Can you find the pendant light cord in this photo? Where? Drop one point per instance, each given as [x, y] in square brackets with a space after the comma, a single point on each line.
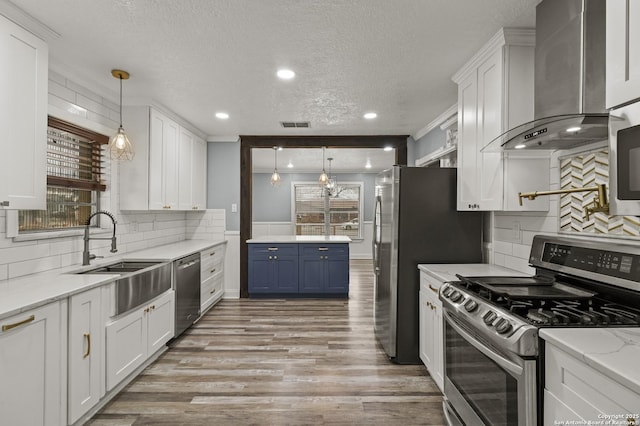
[120, 100]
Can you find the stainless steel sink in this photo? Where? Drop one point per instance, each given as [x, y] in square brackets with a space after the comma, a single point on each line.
[123, 267]
[140, 281]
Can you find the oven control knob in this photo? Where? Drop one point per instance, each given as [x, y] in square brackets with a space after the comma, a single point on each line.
[489, 317]
[471, 305]
[503, 326]
[456, 296]
[447, 292]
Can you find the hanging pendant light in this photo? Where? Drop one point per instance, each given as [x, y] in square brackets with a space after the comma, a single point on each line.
[324, 178]
[119, 145]
[275, 177]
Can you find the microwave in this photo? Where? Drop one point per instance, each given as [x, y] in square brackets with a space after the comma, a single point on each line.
[624, 160]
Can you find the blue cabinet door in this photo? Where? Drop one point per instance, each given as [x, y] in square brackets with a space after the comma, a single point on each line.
[273, 268]
[260, 274]
[312, 274]
[286, 274]
[324, 268]
[337, 278]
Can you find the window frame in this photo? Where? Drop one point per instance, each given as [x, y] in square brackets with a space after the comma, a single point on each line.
[90, 131]
[360, 184]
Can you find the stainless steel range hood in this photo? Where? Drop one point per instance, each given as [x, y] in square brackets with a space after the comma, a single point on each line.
[569, 89]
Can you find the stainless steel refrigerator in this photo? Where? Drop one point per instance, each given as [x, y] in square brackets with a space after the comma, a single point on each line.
[415, 222]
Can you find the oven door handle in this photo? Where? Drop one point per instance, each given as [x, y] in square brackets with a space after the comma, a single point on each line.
[503, 362]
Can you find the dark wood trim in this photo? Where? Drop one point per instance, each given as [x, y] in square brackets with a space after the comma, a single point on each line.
[247, 142]
[75, 183]
[72, 128]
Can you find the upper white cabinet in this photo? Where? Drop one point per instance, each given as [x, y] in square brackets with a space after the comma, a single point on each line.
[163, 162]
[193, 175]
[32, 356]
[161, 175]
[623, 52]
[23, 118]
[495, 93]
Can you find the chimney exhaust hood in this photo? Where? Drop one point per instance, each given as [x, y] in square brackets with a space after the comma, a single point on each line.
[569, 89]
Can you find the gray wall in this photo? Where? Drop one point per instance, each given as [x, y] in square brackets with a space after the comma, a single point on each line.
[223, 180]
[274, 204]
[436, 138]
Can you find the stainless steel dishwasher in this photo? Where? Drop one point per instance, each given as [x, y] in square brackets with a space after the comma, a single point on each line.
[187, 286]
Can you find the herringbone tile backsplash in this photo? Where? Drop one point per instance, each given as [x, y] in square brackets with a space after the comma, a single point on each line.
[588, 170]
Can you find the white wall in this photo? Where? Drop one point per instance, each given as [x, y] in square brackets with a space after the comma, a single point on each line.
[135, 230]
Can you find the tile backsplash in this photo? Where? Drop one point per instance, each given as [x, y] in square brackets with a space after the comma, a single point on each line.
[134, 230]
[588, 170]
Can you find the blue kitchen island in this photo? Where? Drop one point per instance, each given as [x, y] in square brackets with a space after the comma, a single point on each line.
[299, 266]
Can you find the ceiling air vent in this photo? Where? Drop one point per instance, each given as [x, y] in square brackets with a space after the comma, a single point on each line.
[295, 124]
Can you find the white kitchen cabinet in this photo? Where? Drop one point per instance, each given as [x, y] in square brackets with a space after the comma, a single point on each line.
[23, 118]
[199, 174]
[211, 276]
[193, 171]
[164, 173]
[32, 357]
[431, 337]
[576, 391]
[623, 52]
[133, 337]
[163, 162]
[495, 93]
[86, 349]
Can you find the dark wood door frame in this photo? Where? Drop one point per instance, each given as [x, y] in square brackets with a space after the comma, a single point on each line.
[399, 142]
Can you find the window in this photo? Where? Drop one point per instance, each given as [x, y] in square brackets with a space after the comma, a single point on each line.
[74, 179]
[312, 206]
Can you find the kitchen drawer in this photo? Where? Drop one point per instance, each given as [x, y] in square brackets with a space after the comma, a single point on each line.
[273, 249]
[211, 291]
[209, 270]
[583, 389]
[211, 256]
[324, 249]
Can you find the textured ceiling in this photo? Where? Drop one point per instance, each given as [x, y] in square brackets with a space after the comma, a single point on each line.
[197, 57]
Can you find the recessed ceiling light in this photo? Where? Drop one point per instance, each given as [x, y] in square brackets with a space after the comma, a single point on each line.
[222, 115]
[368, 165]
[285, 74]
[370, 115]
[290, 165]
[574, 129]
[520, 146]
[388, 148]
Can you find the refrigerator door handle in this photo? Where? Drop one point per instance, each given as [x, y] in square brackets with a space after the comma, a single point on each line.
[375, 240]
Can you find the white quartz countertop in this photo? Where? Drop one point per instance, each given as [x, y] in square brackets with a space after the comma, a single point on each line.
[21, 294]
[612, 351]
[447, 271]
[301, 239]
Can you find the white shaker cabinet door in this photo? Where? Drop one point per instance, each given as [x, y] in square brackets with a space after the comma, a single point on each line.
[31, 361]
[23, 118]
[126, 346]
[623, 52]
[199, 175]
[163, 162]
[86, 331]
[161, 322]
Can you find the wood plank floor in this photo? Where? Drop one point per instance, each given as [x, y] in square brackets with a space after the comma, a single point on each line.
[280, 362]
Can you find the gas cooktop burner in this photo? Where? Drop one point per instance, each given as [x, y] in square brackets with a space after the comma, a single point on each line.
[544, 302]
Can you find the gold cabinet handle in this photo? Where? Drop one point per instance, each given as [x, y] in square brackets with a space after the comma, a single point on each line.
[146, 309]
[212, 253]
[18, 324]
[153, 307]
[213, 291]
[212, 271]
[88, 352]
[433, 289]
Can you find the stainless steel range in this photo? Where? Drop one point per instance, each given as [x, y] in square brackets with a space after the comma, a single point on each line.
[492, 350]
